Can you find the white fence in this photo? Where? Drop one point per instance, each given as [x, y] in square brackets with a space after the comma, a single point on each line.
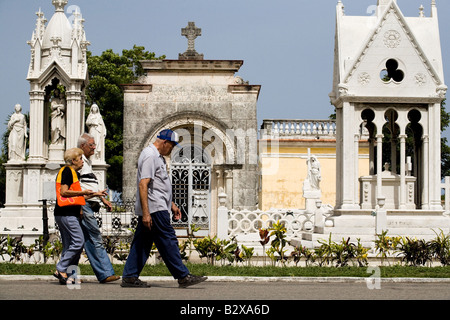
[295, 221]
[279, 128]
[245, 222]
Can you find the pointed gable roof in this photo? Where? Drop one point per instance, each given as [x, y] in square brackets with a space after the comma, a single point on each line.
[414, 42]
[395, 10]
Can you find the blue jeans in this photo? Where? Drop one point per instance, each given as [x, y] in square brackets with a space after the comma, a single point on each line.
[97, 255]
[165, 239]
[72, 240]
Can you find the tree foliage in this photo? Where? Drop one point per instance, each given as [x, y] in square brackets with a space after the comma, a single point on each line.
[445, 149]
[107, 72]
[3, 159]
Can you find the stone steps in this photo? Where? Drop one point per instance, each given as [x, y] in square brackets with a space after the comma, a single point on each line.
[361, 225]
[311, 240]
[420, 225]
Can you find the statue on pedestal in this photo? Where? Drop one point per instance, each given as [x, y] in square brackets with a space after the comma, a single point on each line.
[311, 185]
[17, 126]
[96, 127]
[58, 126]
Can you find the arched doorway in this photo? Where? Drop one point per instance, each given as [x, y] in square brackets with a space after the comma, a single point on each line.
[202, 164]
[190, 172]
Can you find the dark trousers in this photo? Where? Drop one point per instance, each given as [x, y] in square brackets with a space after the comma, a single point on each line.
[165, 239]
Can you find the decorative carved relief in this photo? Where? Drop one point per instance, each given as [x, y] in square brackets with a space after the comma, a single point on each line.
[410, 192]
[421, 79]
[343, 89]
[392, 39]
[364, 78]
[366, 192]
[14, 176]
[441, 91]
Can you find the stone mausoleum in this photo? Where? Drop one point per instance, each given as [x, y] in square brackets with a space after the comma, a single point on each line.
[214, 113]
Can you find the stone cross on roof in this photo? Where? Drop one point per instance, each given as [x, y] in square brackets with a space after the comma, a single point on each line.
[191, 32]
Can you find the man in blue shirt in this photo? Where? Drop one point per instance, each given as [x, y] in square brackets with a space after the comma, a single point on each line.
[153, 204]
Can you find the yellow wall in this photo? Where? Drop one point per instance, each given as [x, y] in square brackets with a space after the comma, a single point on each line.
[284, 169]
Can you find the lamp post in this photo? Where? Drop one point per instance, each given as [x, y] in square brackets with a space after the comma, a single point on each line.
[45, 233]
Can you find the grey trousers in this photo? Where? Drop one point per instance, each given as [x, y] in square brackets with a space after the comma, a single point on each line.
[72, 240]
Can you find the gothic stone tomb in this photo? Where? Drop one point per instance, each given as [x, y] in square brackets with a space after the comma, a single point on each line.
[58, 77]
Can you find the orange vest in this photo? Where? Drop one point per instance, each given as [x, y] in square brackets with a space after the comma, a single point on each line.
[71, 201]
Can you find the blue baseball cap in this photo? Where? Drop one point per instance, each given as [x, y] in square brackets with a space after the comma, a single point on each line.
[169, 135]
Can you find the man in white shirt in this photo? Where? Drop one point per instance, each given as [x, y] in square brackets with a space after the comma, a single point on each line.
[97, 255]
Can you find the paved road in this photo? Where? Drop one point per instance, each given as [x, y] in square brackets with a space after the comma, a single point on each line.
[227, 294]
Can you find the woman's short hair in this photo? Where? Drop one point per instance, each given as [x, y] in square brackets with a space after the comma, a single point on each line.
[72, 154]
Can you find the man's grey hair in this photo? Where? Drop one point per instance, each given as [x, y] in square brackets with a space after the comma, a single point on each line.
[84, 138]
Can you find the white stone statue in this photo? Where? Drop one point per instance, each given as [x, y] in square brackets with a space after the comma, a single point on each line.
[311, 185]
[96, 127]
[58, 125]
[314, 174]
[17, 126]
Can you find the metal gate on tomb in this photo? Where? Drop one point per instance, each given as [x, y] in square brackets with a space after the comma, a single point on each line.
[190, 174]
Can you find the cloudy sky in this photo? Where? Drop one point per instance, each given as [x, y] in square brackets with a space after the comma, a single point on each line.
[287, 45]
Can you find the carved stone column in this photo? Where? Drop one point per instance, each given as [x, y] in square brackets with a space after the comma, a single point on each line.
[38, 141]
[402, 171]
[229, 187]
[379, 191]
[74, 116]
[425, 190]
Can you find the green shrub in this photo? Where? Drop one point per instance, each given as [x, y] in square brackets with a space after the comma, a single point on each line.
[413, 252]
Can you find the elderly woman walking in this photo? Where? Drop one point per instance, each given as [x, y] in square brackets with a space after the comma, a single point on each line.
[70, 198]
